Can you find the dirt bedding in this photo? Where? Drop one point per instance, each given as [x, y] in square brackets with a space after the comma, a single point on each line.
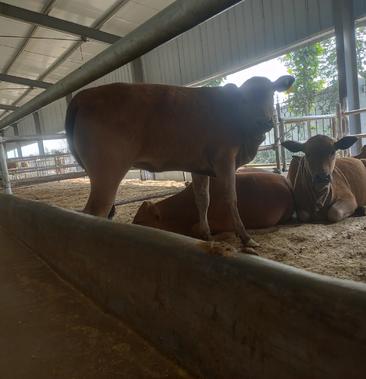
[335, 249]
[73, 194]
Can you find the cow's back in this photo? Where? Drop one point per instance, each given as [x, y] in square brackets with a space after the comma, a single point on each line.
[350, 175]
[151, 124]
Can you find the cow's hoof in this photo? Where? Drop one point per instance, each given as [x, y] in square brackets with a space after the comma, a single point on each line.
[201, 232]
[360, 212]
[252, 243]
[206, 237]
[249, 250]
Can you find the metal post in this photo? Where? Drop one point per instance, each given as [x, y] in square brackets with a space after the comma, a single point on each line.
[137, 71]
[4, 168]
[281, 135]
[347, 62]
[17, 144]
[277, 142]
[68, 98]
[333, 123]
[37, 123]
[339, 121]
[339, 124]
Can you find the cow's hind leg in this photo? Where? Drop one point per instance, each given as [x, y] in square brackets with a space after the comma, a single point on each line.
[103, 189]
[201, 186]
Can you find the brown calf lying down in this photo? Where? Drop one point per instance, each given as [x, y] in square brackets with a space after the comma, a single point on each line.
[326, 188]
[264, 199]
[205, 131]
[362, 154]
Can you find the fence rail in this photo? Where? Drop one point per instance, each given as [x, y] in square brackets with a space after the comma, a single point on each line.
[50, 167]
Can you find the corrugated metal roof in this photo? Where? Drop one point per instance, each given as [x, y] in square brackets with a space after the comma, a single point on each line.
[29, 51]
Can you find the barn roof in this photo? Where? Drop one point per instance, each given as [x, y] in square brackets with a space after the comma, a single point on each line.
[33, 55]
[36, 51]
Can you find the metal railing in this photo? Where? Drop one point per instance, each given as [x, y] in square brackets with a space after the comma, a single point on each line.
[36, 169]
[50, 167]
[338, 127]
[305, 128]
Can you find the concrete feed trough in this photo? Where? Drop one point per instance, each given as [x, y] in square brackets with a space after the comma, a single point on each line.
[219, 313]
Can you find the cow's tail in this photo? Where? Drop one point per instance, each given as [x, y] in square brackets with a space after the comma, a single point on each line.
[71, 112]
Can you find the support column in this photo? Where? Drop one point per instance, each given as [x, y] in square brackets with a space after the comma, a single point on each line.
[347, 62]
[137, 71]
[68, 98]
[17, 144]
[37, 123]
[5, 178]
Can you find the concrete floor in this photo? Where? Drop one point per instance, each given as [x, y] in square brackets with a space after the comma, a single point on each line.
[48, 330]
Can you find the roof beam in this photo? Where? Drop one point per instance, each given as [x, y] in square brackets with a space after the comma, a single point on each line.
[7, 107]
[58, 24]
[177, 18]
[45, 9]
[76, 45]
[24, 81]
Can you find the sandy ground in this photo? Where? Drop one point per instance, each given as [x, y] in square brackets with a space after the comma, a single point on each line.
[334, 249]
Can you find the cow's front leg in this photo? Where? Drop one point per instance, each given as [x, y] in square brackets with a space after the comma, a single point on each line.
[227, 179]
[201, 186]
[342, 209]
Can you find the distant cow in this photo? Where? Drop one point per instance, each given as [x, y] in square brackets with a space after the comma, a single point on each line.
[161, 128]
[362, 154]
[326, 187]
[13, 165]
[264, 200]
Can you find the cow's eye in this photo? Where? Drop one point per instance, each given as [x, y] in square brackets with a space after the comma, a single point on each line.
[332, 154]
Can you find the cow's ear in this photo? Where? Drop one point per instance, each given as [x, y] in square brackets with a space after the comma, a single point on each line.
[293, 146]
[283, 83]
[230, 87]
[345, 143]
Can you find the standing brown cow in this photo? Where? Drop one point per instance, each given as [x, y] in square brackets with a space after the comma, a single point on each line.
[162, 128]
[326, 187]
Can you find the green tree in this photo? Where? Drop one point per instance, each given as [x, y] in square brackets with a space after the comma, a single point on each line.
[304, 64]
[328, 65]
[215, 82]
[315, 68]
[328, 61]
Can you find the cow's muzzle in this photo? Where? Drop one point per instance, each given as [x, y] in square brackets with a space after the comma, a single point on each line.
[322, 179]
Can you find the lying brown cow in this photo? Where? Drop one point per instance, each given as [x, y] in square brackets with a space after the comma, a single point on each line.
[161, 128]
[326, 187]
[362, 154]
[264, 200]
[17, 164]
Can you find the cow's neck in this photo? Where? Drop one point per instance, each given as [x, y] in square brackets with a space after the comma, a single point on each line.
[317, 200]
[249, 148]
